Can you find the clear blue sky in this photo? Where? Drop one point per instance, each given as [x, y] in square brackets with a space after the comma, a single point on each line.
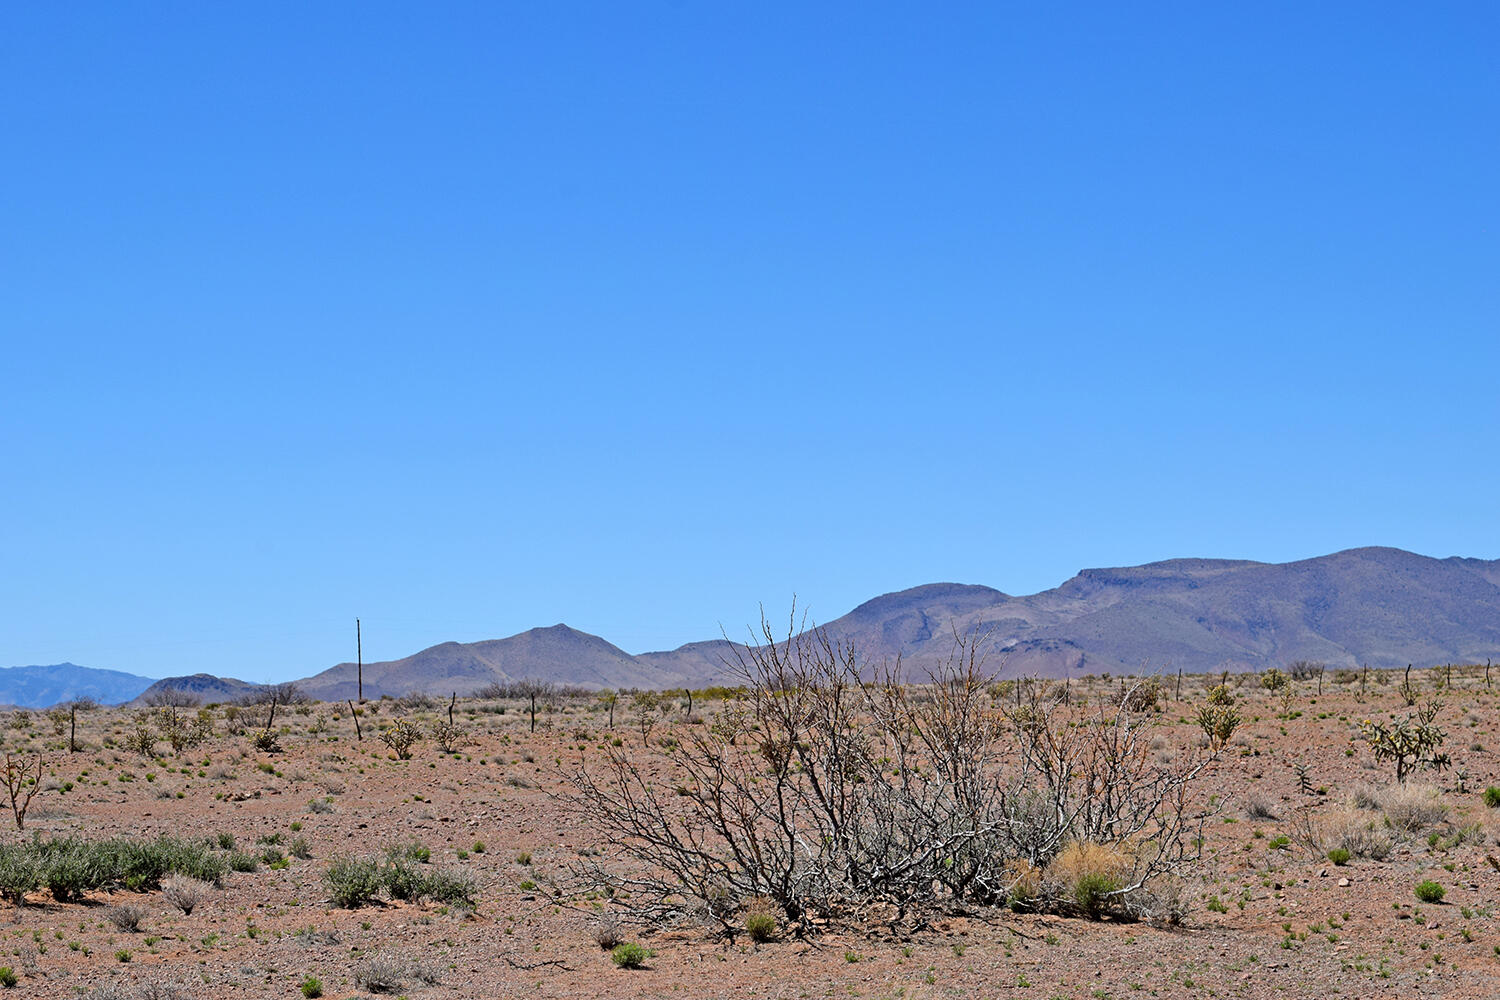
[467, 318]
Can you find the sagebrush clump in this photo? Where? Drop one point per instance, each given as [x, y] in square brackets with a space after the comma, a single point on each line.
[401, 874]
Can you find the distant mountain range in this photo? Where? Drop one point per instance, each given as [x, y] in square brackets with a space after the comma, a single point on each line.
[1377, 606]
[45, 686]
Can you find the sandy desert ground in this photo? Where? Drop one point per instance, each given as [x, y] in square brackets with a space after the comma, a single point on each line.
[1268, 913]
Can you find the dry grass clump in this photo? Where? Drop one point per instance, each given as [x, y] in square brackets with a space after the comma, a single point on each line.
[607, 931]
[1026, 884]
[1089, 877]
[140, 991]
[1347, 828]
[126, 918]
[1163, 901]
[184, 893]
[1260, 806]
[387, 974]
[1411, 808]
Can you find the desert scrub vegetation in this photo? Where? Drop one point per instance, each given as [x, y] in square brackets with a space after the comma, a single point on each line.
[23, 780]
[630, 955]
[1410, 742]
[923, 798]
[401, 737]
[70, 866]
[390, 974]
[1218, 718]
[402, 873]
[185, 892]
[1430, 892]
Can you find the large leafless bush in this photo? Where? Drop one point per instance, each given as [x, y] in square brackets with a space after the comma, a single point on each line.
[849, 791]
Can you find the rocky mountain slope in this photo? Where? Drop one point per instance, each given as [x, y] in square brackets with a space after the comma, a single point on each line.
[1378, 606]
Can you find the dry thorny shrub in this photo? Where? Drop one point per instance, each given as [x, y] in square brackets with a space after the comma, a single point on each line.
[853, 796]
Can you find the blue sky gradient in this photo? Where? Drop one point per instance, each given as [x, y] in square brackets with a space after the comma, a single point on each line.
[467, 318]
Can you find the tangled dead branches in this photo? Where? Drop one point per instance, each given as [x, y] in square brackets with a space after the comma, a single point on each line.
[857, 790]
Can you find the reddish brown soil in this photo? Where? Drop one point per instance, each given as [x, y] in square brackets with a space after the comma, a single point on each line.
[1293, 924]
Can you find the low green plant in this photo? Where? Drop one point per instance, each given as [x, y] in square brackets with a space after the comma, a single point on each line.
[352, 882]
[312, 987]
[451, 888]
[760, 925]
[630, 955]
[1091, 892]
[8, 977]
[1492, 797]
[19, 874]
[356, 882]
[1430, 892]
[1339, 856]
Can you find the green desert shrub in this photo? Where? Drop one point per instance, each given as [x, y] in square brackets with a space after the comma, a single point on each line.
[630, 955]
[451, 888]
[353, 882]
[1092, 892]
[402, 880]
[760, 925]
[19, 874]
[402, 874]
[71, 868]
[1492, 797]
[1430, 892]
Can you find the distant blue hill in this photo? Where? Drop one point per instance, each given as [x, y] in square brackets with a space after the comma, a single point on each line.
[45, 686]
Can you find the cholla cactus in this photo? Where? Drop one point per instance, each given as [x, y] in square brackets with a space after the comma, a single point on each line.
[1411, 742]
[1218, 719]
[401, 738]
[449, 737]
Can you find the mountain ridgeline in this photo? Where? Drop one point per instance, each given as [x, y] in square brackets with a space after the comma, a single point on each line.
[44, 686]
[1379, 607]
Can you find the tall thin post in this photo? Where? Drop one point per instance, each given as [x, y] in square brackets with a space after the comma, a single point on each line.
[359, 657]
[354, 714]
[450, 707]
[73, 728]
[533, 711]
